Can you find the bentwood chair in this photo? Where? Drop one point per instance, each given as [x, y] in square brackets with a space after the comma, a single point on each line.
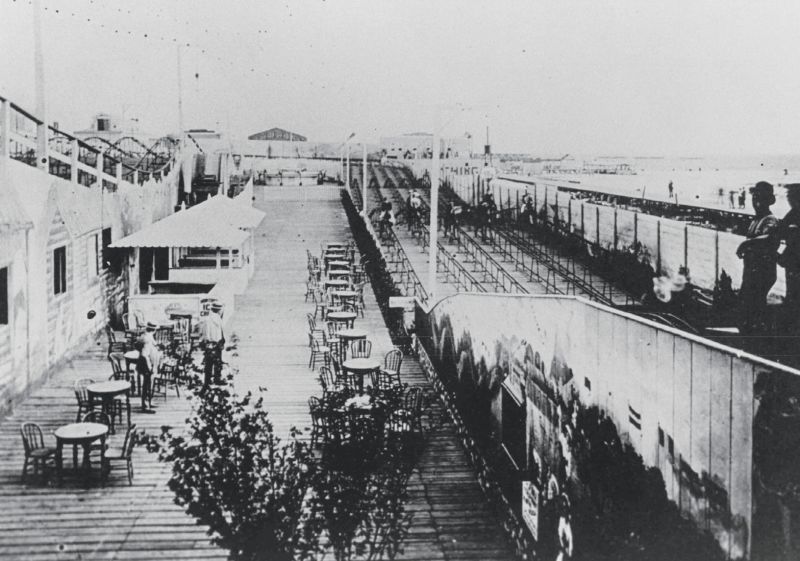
[123, 453]
[114, 346]
[327, 380]
[360, 348]
[35, 451]
[409, 418]
[391, 365]
[318, 351]
[82, 396]
[319, 425]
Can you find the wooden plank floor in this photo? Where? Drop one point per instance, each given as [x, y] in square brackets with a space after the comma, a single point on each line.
[451, 519]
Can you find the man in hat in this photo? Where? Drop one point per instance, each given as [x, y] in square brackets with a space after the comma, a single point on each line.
[147, 364]
[789, 232]
[212, 339]
[759, 253]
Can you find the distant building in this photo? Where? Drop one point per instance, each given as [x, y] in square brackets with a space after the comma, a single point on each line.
[204, 134]
[277, 134]
[420, 145]
[111, 128]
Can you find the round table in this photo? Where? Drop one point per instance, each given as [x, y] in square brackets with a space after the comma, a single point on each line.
[107, 391]
[339, 274]
[344, 293]
[348, 335]
[342, 317]
[337, 244]
[339, 265]
[361, 367]
[336, 282]
[82, 434]
[131, 358]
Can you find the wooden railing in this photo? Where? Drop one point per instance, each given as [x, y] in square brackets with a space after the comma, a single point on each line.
[25, 138]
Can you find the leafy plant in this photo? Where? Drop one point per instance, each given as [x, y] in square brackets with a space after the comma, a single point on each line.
[231, 473]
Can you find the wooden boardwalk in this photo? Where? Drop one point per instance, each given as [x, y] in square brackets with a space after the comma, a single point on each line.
[451, 519]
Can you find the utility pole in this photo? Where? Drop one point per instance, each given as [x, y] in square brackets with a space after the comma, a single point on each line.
[347, 167]
[42, 130]
[433, 251]
[180, 99]
[364, 186]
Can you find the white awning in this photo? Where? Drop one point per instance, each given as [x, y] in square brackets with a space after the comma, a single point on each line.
[183, 229]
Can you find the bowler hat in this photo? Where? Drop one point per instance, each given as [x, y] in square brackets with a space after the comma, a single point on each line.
[216, 306]
[151, 326]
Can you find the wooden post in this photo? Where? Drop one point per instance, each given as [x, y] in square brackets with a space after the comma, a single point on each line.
[616, 232]
[716, 256]
[658, 247]
[635, 228]
[73, 169]
[597, 224]
[5, 128]
[569, 213]
[686, 246]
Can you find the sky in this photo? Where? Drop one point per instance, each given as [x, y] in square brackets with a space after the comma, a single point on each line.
[622, 78]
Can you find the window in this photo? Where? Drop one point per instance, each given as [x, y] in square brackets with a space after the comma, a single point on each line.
[60, 270]
[102, 125]
[4, 296]
[92, 255]
[105, 252]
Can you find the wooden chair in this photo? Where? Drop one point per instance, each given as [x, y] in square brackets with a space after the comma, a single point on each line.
[167, 376]
[319, 303]
[313, 328]
[409, 418]
[82, 396]
[114, 346]
[35, 451]
[121, 454]
[164, 337]
[319, 425]
[96, 417]
[318, 351]
[391, 365]
[333, 341]
[360, 348]
[327, 380]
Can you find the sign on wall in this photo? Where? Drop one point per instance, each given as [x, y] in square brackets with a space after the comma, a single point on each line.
[530, 507]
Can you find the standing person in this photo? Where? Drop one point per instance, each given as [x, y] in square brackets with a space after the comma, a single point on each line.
[671, 189]
[721, 196]
[759, 253]
[742, 197]
[146, 364]
[789, 231]
[212, 339]
[731, 198]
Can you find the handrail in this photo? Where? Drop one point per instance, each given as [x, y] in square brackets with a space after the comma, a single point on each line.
[64, 155]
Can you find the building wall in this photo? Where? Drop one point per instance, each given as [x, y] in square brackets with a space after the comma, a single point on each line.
[688, 391]
[59, 323]
[13, 353]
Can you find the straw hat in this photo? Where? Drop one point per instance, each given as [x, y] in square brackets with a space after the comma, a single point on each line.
[151, 326]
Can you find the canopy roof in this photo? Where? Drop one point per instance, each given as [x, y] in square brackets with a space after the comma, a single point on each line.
[228, 211]
[186, 229]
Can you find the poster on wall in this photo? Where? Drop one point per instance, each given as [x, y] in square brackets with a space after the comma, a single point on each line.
[530, 507]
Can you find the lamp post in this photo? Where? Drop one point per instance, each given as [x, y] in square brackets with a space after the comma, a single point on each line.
[347, 167]
[364, 184]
